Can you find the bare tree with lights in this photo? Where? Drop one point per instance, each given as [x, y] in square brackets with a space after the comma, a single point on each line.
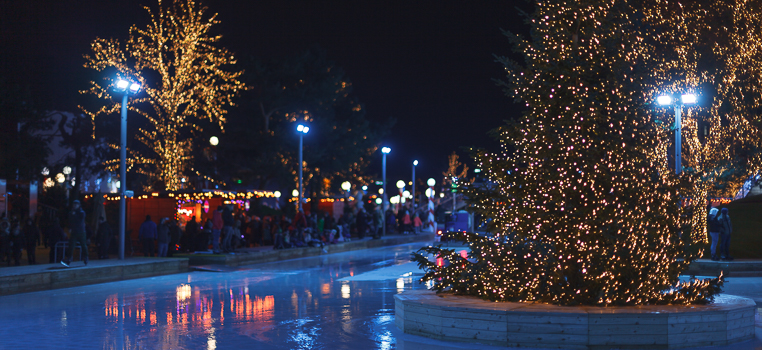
[582, 211]
[187, 86]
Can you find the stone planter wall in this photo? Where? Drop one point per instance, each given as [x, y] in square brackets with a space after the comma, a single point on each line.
[466, 319]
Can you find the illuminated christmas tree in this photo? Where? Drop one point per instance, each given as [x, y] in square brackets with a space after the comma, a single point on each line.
[582, 207]
[722, 140]
[187, 86]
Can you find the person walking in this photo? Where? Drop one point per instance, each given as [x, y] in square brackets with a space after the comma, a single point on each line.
[163, 237]
[77, 233]
[147, 236]
[32, 238]
[726, 228]
[104, 238]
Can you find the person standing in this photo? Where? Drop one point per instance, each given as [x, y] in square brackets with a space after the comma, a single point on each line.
[77, 233]
[361, 223]
[163, 237]
[17, 242]
[187, 242]
[726, 228]
[147, 235]
[5, 240]
[104, 238]
[714, 231]
[32, 238]
[227, 228]
[217, 225]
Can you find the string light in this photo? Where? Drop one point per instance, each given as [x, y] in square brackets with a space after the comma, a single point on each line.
[190, 83]
[582, 207]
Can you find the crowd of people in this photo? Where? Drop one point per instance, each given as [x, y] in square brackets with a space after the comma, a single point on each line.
[229, 229]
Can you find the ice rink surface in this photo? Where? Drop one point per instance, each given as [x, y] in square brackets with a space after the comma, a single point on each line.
[338, 301]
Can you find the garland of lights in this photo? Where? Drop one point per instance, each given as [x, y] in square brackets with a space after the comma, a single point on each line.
[583, 207]
[193, 85]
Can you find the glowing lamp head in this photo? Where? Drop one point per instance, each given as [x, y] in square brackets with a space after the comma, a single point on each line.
[386, 150]
[214, 141]
[295, 193]
[303, 129]
[400, 184]
[60, 178]
[380, 191]
[415, 163]
[688, 99]
[134, 88]
[122, 84]
[67, 170]
[431, 182]
[664, 100]
[365, 188]
[407, 194]
[276, 194]
[378, 201]
[346, 185]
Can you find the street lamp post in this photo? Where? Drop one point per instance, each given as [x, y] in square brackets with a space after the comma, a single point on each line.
[384, 151]
[415, 163]
[127, 88]
[302, 130]
[685, 99]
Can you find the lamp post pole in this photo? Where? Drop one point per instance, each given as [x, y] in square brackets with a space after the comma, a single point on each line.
[301, 165]
[678, 139]
[128, 88]
[684, 99]
[123, 177]
[301, 129]
[415, 163]
[384, 151]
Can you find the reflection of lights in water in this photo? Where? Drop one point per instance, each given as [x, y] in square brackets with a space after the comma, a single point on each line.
[295, 301]
[400, 285]
[385, 340]
[64, 320]
[183, 292]
[407, 274]
[211, 341]
[345, 290]
[112, 306]
[325, 288]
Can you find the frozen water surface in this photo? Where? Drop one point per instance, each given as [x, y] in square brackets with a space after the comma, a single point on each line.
[339, 301]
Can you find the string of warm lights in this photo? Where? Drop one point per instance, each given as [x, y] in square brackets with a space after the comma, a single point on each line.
[582, 206]
[193, 85]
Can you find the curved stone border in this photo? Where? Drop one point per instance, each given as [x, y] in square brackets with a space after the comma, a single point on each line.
[730, 319]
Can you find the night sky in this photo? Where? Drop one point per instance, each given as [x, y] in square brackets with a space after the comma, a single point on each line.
[429, 64]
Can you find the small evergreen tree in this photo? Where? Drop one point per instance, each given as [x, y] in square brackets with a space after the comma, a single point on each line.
[582, 212]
